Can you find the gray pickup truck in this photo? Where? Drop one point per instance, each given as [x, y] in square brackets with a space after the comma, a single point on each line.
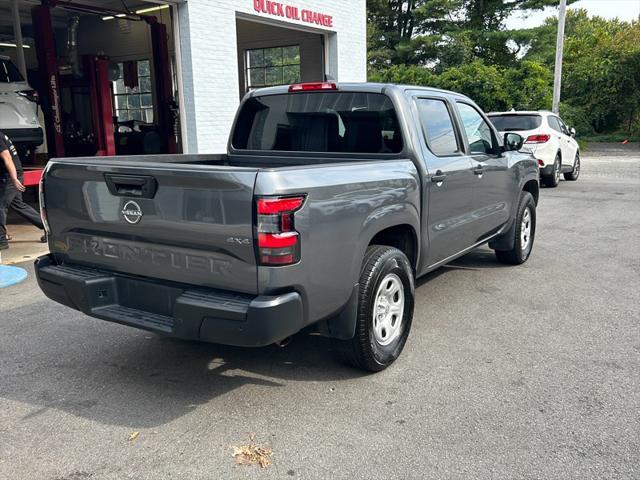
[331, 200]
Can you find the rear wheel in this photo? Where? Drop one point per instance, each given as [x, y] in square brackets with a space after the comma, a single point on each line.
[554, 179]
[385, 310]
[524, 231]
[575, 173]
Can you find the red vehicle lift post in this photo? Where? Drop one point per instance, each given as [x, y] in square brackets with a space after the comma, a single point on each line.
[49, 79]
[96, 70]
[163, 82]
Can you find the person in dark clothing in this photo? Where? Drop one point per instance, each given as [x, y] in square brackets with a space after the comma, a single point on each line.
[11, 189]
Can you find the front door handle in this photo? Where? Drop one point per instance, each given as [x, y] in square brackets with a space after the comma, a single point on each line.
[438, 177]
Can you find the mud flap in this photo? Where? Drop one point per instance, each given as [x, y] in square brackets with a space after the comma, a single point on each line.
[506, 241]
[343, 325]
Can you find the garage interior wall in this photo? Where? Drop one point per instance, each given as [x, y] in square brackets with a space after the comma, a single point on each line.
[259, 35]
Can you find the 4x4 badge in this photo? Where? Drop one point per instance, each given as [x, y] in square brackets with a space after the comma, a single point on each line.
[132, 212]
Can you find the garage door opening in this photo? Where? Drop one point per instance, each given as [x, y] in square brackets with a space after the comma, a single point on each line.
[85, 78]
[270, 55]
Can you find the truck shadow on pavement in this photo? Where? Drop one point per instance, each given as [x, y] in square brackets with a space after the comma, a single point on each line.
[116, 375]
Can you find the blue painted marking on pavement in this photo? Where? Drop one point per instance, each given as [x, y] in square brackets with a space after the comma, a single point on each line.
[11, 275]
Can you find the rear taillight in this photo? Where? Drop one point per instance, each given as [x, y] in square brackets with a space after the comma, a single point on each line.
[309, 87]
[278, 242]
[538, 139]
[30, 95]
[43, 209]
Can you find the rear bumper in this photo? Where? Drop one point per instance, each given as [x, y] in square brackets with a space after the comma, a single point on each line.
[184, 312]
[32, 137]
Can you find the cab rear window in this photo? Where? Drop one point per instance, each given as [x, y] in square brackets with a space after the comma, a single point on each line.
[514, 123]
[9, 73]
[337, 122]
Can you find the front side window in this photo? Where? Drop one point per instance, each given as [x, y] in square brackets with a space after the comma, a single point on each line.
[349, 122]
[438, 127]
[478, 131]
[267, 67]
[9, 73]
[133, 93]
[563, 127]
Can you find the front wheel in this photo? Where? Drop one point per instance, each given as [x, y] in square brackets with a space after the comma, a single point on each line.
[575, 173]
[524, 231]
[385, 310]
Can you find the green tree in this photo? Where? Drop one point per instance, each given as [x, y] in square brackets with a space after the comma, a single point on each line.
[463, 45]
[406, 31]
[445, 33]
[601, 71]
[485, 84]
[530, 86]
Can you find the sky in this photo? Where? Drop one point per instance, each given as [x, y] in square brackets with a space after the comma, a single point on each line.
[623, 9]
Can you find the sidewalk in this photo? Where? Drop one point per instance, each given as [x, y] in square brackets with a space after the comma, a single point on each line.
[25, 245]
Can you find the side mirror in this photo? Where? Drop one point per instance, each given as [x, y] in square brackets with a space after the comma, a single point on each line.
[572, 131]
[513, 141]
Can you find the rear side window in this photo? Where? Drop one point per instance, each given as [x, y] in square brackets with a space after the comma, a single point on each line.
[554, 124]
[9, 73]
[348, 122]
[515, 123]
[438, 127]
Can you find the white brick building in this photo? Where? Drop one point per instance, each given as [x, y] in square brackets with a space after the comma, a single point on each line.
[226, 47]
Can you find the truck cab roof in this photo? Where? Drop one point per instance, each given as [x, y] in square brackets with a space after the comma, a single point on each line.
[370, 87]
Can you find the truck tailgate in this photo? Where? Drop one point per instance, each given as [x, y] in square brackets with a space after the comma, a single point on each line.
[177, 222]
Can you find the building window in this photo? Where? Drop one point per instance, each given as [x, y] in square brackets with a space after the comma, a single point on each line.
[134, 103]
[272, 66]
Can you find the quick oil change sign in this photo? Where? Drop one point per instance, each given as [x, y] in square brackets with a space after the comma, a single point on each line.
[279, 9]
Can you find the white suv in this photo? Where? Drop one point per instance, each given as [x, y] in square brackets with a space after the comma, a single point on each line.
[549, 140]
[18, 108]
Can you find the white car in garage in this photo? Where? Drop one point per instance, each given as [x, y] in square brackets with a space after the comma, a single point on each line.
[547, 137]
[18, 108]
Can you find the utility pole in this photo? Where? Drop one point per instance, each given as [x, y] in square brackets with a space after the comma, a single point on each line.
[17, 31]
[557, 78]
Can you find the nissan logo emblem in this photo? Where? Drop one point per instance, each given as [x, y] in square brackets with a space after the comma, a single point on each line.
[132, 212]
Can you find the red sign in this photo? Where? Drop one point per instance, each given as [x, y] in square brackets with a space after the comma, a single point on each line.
[278, 9]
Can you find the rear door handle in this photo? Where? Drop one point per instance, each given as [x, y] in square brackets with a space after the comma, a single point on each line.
[438, 177]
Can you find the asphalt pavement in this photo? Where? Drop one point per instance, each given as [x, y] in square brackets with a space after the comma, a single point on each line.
[528, 372]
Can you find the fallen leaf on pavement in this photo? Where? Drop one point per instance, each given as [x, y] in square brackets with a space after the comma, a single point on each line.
[133, 436]
[251, 454]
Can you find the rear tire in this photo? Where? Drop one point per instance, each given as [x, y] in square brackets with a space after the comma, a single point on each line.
[385, 310]
[573, 175]
[553, 180]
[524, 231]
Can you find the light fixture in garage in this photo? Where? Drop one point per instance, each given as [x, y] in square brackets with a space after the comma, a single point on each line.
[138, 12]
[151, 9]
[11, 45]
[111, 17]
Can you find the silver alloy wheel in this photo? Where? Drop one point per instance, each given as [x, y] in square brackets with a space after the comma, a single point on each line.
[576, 168]
[388, 310]
[525, 229]
[556, 171]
